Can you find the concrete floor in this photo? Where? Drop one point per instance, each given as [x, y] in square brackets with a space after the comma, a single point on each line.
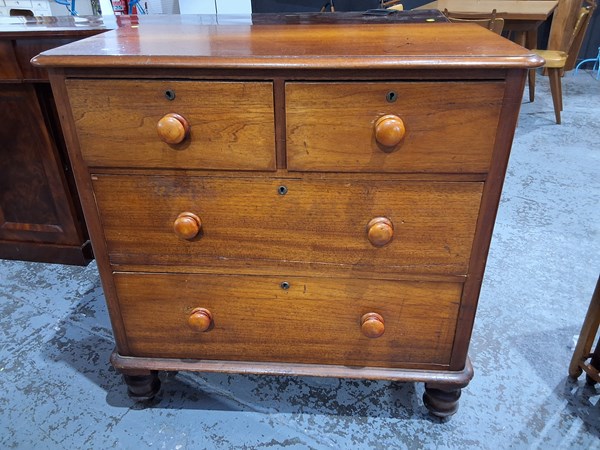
[57, 390]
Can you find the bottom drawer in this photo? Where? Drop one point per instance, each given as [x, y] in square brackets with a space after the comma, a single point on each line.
[289, 319]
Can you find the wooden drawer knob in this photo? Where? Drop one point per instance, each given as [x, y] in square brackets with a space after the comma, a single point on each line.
[389, 130]
[380, 231]
[172, 128]
[372, 325]
[187, 225]
[200, 319]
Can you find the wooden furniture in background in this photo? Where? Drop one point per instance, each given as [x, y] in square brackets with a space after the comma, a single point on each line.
[521, 18]
[489, 21]
[40, 215]
[565, 17]
[557, 61]
[583, 357]
[311, 209]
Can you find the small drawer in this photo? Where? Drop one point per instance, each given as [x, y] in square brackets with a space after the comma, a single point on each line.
[174, 124]
[446, 127]
[350, 322]
[387, 226]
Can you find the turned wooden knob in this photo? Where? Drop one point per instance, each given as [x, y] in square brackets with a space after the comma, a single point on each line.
[172, 128]
[200, 319]
[380, 231]
[187, 225]
[389, 130]
[372, 325]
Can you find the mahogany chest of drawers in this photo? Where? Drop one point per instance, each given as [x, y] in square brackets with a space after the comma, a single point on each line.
[297, 199]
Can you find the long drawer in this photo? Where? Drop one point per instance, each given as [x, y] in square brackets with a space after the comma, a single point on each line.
[430, 225]
[307, 320]
[231, 124]
[448, 127]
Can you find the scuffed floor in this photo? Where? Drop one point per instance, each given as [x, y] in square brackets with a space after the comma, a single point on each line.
[57, 390]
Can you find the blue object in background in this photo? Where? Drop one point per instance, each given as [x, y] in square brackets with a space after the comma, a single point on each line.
[596, 67]
[69, 4]
[133, 3]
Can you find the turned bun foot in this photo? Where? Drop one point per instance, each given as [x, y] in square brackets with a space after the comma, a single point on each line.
[142, 386]
[441, 402]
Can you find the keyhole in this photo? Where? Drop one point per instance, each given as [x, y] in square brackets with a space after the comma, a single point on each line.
[282, 190]
[170, 94]
[285, 285]
[391, 97]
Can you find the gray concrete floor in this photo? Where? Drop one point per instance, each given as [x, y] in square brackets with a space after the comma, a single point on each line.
[57, 390]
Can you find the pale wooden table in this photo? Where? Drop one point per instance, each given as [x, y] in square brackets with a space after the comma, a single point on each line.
[522, 17]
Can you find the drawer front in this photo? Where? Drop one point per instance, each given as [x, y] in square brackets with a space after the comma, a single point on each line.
[231, 125]
[314, 221]
[314, 320]
[449, 127]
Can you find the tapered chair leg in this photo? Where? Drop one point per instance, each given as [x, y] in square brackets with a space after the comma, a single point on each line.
[560, 96]
[555, 88]
[531, 76]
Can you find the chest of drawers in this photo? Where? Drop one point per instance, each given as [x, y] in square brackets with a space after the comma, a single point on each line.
[307, 199]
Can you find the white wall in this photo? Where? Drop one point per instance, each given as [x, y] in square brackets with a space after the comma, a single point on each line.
[106, 8]
[234, 6]
[161, 6]
[83, 8]
[215, 6]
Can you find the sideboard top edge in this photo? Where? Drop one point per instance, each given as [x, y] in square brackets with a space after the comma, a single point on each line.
[316, 63]
[353, 46]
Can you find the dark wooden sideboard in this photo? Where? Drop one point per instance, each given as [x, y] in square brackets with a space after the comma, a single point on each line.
[40, 212]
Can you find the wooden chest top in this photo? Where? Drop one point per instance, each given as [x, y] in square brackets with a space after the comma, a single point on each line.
[360, 46]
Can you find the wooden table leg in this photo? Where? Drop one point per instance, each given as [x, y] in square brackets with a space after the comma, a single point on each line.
[531, 43]
[594, 365]
[586, 338]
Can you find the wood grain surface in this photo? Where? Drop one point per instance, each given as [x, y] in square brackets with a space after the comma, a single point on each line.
[284, 178]
[34, 201]
[450, 127]
[9, 69]
[321, 222]
[312, 321]
[231, 124]
[302, 47]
